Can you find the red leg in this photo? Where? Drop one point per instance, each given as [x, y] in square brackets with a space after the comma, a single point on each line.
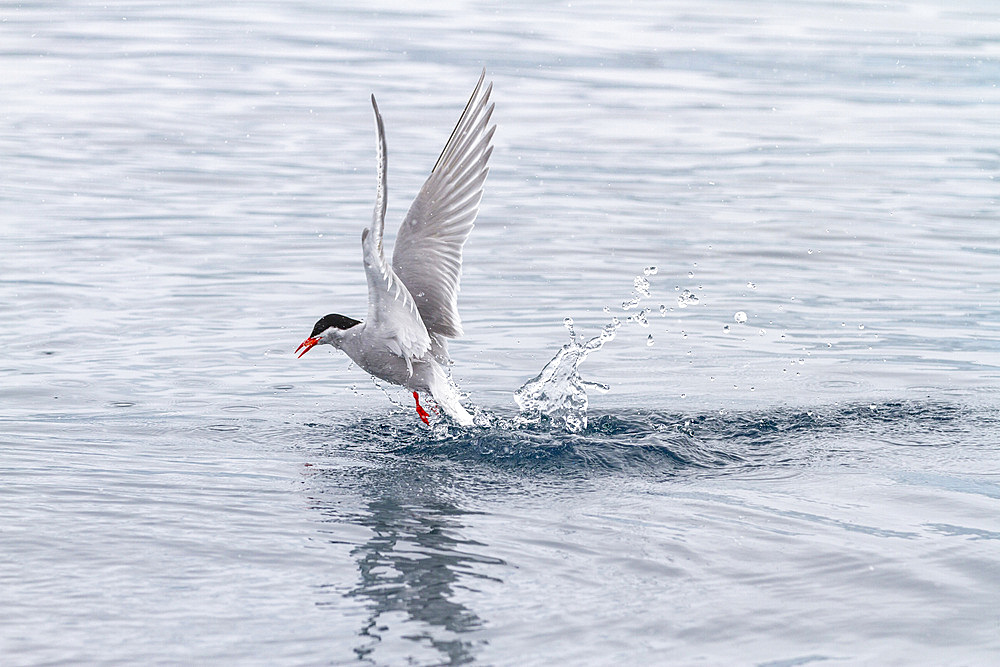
[420, 411]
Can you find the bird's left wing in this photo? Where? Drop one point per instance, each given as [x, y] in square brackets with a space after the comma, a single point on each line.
[428, 252]
[393, 317]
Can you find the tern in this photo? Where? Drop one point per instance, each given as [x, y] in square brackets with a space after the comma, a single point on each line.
[413, 302]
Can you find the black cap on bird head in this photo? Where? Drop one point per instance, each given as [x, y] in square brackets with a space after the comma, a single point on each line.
[332, 320]
[326, 322]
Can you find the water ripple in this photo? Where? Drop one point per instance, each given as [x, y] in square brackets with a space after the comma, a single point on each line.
[659, 444]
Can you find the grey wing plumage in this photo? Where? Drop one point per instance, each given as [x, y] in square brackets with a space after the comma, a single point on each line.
[427, 256]
[393, 317]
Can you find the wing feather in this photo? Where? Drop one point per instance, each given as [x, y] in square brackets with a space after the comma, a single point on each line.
[392, 313]
[428, 253]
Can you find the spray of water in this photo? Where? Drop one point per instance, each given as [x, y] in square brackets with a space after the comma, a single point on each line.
[558, 393]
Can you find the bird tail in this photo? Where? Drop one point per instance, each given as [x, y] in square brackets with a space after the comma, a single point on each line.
[446, 395]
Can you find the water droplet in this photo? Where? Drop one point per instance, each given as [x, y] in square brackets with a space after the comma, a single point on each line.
[690, 274]
[761, 332]
[663, 310]
[726, 328]
[740, 317]
[686, 298]
[809, 251]
[631, 303]
[649, 340]
[684, 395]
[640, 317]
[641, 286]
[649, 271]
[752, 285]
[861, 327]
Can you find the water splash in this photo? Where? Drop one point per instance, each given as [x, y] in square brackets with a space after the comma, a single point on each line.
[558, 393]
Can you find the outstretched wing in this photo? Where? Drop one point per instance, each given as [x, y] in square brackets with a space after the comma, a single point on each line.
[392, 313]
[427, 256]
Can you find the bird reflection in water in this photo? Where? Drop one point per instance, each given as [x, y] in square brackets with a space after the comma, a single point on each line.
[413, 566]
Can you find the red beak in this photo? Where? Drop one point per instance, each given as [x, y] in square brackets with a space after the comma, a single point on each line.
[307, 345]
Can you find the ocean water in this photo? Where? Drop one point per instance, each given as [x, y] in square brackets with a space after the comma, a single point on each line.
[797, 458]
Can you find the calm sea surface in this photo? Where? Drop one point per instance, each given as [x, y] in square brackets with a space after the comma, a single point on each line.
[798, 459]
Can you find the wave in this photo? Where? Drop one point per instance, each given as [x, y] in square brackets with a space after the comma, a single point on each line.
[662, 442]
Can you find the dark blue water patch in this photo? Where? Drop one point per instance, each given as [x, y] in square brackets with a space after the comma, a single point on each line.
[764, 427]
[612, 443]
[659, 443]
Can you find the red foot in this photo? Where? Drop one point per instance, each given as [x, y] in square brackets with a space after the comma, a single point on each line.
[420, 411]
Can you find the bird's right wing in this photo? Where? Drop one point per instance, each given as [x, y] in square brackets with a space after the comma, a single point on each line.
[428, 252]
[393, 317]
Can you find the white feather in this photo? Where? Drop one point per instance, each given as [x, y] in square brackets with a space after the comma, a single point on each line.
[428, 253]
[413, 303]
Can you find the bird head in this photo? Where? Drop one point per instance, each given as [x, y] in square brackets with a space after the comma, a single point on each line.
[329, 330]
